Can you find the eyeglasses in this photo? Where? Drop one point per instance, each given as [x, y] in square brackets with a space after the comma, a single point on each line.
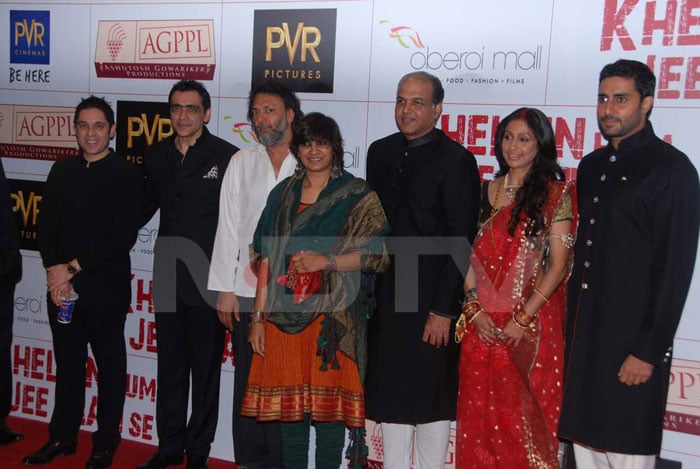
[189, 108]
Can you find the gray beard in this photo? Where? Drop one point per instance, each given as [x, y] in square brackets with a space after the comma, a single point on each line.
[271, 139]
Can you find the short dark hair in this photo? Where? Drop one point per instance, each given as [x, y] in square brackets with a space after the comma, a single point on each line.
[438, 90]
[319, 128]
[282, 91]
[192, 85]
[644, 79]
[93, 102]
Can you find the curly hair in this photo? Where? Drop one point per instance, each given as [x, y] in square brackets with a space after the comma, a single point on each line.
[530, 198]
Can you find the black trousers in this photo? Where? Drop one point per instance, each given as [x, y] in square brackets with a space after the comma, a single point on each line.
[255, 445]
[190, 346]
[7, 296]
[100, 324]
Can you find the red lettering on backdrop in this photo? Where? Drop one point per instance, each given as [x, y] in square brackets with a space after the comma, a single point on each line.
[688, 21]
[30, 399]
[90, 416]
[562, 133]
[140, 387]
[666, 24]
[614, 24]
[141, 426]
[35, 363]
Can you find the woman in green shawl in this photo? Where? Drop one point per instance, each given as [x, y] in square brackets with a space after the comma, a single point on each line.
[319, 242]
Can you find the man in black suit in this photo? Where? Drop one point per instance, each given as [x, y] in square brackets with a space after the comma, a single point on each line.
[10, 272]
[183, 175]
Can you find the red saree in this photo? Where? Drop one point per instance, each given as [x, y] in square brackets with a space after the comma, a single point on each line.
[509, 398]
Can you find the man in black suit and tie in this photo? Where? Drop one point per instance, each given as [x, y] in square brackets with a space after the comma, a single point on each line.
[184, 174]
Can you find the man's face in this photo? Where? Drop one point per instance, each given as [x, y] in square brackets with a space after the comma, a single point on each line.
[271, 120]
[187, 114]
[621, 109]
[93, 133]
[415, 113]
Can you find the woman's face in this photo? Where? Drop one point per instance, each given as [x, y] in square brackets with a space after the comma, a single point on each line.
[316, 157]
[519, 145]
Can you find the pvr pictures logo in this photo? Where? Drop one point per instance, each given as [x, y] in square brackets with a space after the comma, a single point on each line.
[296, 47]
[29, 37]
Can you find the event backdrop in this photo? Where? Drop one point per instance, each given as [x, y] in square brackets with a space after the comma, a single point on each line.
[344, 58]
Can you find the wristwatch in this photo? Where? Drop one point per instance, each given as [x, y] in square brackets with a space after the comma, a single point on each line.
[71, 269]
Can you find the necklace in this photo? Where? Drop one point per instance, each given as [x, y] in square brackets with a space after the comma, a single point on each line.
[510, 191]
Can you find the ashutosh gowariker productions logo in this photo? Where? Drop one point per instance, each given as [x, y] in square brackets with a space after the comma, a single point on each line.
[164, 49]
[296, 47]
[37, 132]
[30, 38]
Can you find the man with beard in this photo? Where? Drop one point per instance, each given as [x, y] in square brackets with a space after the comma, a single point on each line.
[429, 187]
[634, 258]
[253, 172]
[183, 180]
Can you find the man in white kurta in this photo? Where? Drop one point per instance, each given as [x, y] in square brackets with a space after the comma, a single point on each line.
[251, 175]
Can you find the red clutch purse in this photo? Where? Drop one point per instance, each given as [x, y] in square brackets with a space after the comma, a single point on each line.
[301, 286]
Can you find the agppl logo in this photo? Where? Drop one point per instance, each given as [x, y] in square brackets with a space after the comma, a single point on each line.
[164, 49]
[296, 47]
[37, 132]
[30, 38]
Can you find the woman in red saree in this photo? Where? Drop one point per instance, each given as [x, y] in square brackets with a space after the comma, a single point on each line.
[515, 295]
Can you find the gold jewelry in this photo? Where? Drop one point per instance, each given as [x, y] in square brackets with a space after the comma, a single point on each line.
[541, 295]
[510, 191]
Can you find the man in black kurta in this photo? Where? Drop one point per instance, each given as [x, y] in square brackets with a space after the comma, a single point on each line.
[634, 258]
[90, 214]
[429, 187]
[184, 175]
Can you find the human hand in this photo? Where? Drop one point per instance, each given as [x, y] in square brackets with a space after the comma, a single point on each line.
[60, 290]
[512, 334]
[57, 275]
[226, 305]
[256, 337]
[437, 330]
[308, 261]
[485, 328]
[634, 371]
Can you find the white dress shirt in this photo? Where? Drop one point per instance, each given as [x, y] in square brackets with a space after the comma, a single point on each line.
[248, 180]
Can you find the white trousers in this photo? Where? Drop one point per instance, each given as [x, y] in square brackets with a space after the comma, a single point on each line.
[589, 458]
[431, 443]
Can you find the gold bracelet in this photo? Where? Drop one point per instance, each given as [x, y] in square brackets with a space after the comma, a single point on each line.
[541, 295]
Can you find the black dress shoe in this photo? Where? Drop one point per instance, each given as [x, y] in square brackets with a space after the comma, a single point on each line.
[197, 462]
[50, 450]
[100, 458]
[7, 436]
[162, 460]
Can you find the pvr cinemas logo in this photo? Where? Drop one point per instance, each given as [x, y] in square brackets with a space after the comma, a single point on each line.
[296, 47]
[29, 37]
[139, 125]
[26, 199]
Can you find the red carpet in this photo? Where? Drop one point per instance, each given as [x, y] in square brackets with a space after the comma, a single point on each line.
[129, 454]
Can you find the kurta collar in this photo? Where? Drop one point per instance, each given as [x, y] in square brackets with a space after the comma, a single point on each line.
[87, 163]
[427, 138]
[202, 138]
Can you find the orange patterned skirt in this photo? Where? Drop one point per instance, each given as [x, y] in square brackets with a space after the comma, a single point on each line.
[288, 382]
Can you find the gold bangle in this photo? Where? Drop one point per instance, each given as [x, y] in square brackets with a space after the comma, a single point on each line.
[541, 295]
[519, 324]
